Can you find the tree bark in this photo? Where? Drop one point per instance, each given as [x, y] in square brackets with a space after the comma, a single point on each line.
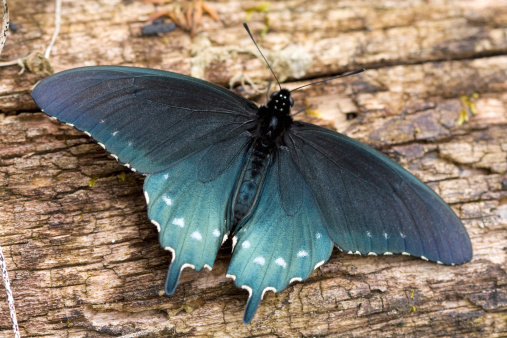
[83, 258]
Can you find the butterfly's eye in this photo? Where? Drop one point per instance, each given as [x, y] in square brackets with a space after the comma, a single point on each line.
[274, 94]
[291, 100]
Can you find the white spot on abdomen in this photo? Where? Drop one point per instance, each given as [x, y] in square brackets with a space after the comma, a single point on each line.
[179, 222]
[196, 235]
[259, 260]
[281, 262]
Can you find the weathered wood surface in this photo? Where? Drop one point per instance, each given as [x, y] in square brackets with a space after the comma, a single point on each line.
[85, 261]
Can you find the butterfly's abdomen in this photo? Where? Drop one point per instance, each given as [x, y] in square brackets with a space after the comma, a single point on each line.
[250, 182]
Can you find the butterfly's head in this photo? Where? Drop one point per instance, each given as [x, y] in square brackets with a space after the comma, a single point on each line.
[281, 102]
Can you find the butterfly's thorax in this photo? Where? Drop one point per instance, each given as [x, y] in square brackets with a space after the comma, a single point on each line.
[273, 120]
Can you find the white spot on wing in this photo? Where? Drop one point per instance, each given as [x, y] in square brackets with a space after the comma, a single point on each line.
[69, 124]
[230, 276]
[167, 200]
[245, 244]
[350, 252]
[155, 223]
[269, 288]
[318, 235]
[166, 176]
[426, 259]
[439, 262]
[208, 267]
[216, 233]
[387, 253]
[224, 239]
[357, 253]
[115, 133]
[147, 197]
[87, 133]
[368, 234]
[302, 253]
[196, 235]
[295, 279]
[173, 253]
[259, 260]
[179, 222]
[318, 264]
[405, 253]
[372, 254]
[386, 236]
[281, 262]
[247, 288]
[115, 157]
[187, 265]
[102, 145]
[403, 235]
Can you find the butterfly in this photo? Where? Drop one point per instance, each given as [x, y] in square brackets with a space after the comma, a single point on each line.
[219, 166]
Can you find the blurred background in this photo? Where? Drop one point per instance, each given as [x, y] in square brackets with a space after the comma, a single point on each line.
[84, 260]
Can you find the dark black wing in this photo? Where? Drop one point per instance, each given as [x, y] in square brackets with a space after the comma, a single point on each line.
[372, 206]
[147, 118]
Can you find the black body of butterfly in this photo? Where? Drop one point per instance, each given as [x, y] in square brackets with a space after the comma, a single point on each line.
[217, 165]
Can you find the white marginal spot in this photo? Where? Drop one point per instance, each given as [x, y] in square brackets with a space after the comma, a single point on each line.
[281, 262]
[87, 133]
[302, 253]
[387, 253]
[155, 223]
[133, 169]
[187, 265]
[405, 253]
[295, 279]
[234, 242]
[426, 259]
[318, 235]
[207, 266]
[115, 157]
[69, 124]
[147, 197]
[167, 200]
[403, 235]
[179, 222]
[439, 262]
[368, 234]
[230, 276]
[216, 233]
[349, 252]
[127, 165]
[372, 254]
[115, 133]
[245, 244]
[259, 260]
[102, 145]
[453, 264]
[168, 248]
[318, 264]
[247, 288]
[196, 235]
[357, 253]
[166, 176]
[269, 288]
[225, 238]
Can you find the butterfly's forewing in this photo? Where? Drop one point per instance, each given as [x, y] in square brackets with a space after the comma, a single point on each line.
[190, 212]
[284, 240]
[147, 118]
[372, 206]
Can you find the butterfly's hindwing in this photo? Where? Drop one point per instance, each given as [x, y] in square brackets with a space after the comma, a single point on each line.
[283, 241]
[190, 213]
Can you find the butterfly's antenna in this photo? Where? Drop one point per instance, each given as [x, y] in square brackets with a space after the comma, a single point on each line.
[255, 43]
[336, 77]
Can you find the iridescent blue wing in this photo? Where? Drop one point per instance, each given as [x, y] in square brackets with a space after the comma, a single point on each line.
[285, 238]
[146, 118]
[188, 202]
[372, 206]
